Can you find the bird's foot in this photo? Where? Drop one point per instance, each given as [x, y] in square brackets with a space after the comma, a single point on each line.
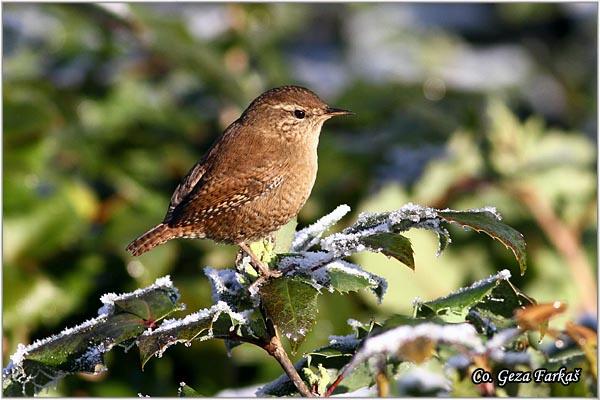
[265, 271]
[264, 277]
[261, 267]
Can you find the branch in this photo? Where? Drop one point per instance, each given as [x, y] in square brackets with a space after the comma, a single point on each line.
[275, 348]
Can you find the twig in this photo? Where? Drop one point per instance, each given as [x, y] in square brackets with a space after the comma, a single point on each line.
[335, 383]
[275, 348]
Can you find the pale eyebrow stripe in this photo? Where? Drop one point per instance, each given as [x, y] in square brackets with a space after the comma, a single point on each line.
[287, 107]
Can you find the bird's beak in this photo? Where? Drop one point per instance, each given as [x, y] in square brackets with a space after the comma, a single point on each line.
[332, 112]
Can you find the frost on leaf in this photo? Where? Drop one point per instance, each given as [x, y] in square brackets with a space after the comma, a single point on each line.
[136, 302]
[492, 300]
[380, 232]
[323, 271]
[229, 286]
[309, 236]
[397, 340]
[218, 321]
[81, 348]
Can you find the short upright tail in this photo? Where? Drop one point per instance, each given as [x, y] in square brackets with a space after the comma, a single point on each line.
[155, 236]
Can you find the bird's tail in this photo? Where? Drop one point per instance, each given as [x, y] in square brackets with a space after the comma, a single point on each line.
[155, 236]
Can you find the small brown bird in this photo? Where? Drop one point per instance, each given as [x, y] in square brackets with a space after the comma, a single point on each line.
[255, 177]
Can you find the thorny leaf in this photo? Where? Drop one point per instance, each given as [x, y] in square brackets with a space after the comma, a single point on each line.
[323, 271]
[379, 231]
[344, 279]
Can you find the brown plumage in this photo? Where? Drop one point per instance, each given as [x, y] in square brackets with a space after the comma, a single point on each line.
[255, 177]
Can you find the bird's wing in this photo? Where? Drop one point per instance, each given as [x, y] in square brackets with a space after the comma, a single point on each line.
[193, 177]
[186, 186]
[222, 191]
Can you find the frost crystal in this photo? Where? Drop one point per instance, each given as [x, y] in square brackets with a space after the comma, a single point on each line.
[502, 275]
[412, 212]
[352, 239]
[309, 236]
[319, 265]
[109, 299]
[214, 312]
[22, 350]
[390, 341]
[344, 244]
[16, 372]
[226, 285]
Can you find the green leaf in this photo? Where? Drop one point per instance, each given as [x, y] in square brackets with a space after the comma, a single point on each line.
[81, 349]
[455, 306]
[499, 307]
[185, 390]
[319, 379]
[291, 304]
[284, 236]
[219, 321]
[392, 245]
[345, 279]
[148, 306]
[489, 223]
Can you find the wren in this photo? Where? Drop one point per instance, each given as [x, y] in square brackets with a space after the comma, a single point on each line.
[255, 177]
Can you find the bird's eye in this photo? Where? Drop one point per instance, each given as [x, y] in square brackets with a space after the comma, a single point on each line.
[300, 114]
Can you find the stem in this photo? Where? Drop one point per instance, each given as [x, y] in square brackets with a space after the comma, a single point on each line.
[275, 348]
[334, 385]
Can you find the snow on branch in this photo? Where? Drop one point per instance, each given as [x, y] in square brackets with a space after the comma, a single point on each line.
[81, 348]
[389, 342]
[309, 236]
[109, 299]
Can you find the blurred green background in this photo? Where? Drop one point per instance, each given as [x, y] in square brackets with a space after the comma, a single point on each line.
[107, 106]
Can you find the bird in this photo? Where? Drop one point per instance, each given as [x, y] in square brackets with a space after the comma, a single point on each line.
[254, 178]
